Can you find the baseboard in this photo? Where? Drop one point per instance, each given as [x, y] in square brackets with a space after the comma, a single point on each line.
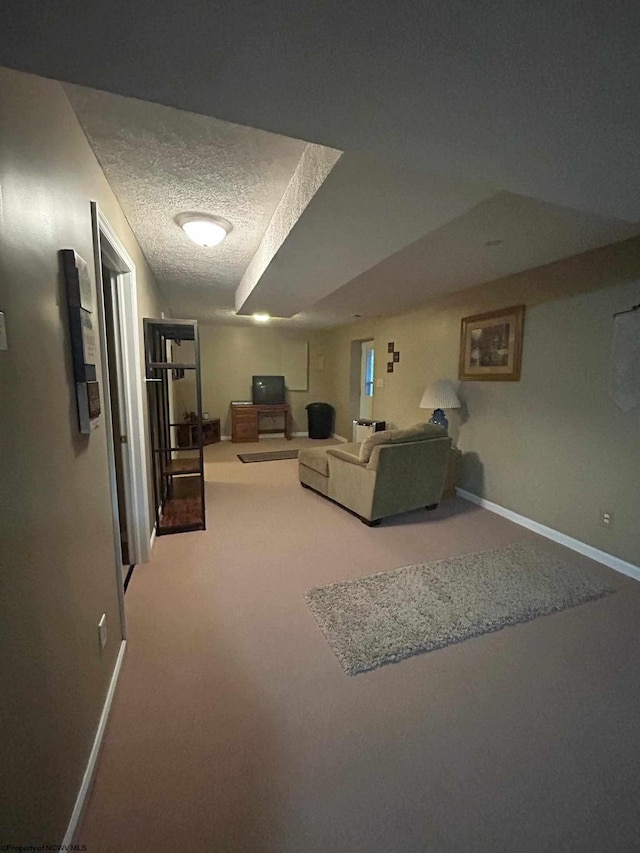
[87, 779]
[603, 557]
[340, 438]
[154, 531]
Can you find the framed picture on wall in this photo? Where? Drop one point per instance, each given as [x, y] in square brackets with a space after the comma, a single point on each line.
[491, 345]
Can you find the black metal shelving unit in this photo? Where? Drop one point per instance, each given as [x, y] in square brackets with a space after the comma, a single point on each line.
[178, 472]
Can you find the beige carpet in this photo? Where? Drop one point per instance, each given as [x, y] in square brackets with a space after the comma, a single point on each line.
[234, 727]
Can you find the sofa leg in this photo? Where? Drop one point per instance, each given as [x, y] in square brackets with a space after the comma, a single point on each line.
[432, 506]
[373, 523]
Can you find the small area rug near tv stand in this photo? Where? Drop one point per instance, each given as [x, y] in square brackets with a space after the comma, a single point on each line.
[245, 420]
[268, 456]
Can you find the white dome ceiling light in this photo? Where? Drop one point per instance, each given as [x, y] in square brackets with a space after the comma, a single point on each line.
[261, 317]
[204, 229]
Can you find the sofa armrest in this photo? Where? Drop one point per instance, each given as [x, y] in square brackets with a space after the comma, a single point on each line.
[348, 453]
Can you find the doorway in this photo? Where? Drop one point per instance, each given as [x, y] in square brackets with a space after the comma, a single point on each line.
[367, 370]
[361, 378]
[122, 383]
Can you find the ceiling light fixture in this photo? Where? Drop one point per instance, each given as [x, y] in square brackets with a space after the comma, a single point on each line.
[203, 229]
[262, 318]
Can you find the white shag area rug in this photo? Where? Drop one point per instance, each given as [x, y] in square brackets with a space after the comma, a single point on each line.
[392, 615]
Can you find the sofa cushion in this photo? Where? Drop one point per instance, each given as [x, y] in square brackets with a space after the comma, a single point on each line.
[315, 458]
[419, 432]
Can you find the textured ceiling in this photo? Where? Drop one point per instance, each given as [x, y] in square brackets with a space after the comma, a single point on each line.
[314, 245]
[162, 161]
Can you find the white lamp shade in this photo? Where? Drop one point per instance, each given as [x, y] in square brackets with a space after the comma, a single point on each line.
[203, 229]
[440, 395]
[205, 233]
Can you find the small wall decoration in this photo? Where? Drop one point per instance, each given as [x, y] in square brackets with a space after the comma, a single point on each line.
[84, 342]
[491, 345]
[395, 356]
[624, 367]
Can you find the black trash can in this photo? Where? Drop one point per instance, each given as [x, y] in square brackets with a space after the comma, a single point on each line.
[320, 417]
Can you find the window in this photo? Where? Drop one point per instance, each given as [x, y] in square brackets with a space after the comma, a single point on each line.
[368, 373]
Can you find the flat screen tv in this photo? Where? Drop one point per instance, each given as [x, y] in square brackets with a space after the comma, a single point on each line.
[267, 390]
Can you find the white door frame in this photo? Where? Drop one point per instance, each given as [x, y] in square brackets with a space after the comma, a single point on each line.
[108, 245]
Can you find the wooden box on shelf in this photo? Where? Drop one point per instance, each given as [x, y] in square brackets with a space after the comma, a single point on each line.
[188, 433]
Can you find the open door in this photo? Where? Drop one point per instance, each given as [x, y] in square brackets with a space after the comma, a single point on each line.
[118, 408]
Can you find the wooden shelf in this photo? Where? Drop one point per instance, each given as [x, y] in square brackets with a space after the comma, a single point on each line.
[174, 449]
[181, 514]
[170, 365]
[178, 476]
[182, 466]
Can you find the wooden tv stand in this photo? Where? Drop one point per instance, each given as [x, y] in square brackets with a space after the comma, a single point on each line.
[245, 421]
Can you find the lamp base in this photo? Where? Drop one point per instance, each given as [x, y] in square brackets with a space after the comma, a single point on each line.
[439, 418]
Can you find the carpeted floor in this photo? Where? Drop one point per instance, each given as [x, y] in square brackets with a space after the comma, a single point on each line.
[393, 615]
[234, 727]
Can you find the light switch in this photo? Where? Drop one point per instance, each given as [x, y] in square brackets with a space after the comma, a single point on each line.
[3, 332]
[379, 383]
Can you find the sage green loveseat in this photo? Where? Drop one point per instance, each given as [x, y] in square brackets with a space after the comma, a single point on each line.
[392, 471]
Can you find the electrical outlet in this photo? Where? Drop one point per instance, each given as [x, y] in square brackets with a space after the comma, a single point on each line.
[606, 518]
[102, 631]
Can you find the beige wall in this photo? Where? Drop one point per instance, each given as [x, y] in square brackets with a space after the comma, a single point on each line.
[552, 447]
[58, 561]
[231, 355]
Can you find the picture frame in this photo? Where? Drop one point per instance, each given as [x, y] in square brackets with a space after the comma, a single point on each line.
[491, 345]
